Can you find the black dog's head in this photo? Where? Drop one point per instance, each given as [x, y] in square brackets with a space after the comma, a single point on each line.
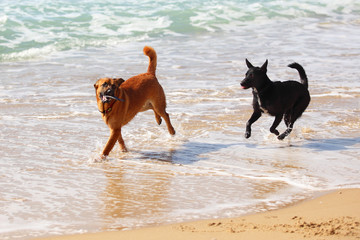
[255, 77]
[105, 87]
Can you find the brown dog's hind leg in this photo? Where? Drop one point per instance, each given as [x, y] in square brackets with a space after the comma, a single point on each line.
[122, 143]
[158, 118]
[166, 117]
[168, 123]
[114, 135]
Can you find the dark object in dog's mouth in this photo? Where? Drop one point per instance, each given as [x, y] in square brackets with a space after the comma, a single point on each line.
[107, 98]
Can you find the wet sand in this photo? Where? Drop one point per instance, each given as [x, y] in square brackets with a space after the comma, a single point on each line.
[332, 216]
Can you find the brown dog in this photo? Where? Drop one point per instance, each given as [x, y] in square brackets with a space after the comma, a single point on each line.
[119, 101]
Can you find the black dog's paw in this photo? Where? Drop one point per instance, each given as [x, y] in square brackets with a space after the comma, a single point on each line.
[282, 136]
[247, 134]
[276, 132]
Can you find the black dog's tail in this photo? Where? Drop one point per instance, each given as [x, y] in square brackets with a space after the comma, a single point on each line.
[303, 77]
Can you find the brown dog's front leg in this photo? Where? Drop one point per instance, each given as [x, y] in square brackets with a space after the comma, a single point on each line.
[122, 143]
[114, 135]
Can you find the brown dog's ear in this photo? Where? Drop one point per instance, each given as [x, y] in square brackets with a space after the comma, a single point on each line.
[118, 81]
[264, 66]
[249, 65]
[96, 85]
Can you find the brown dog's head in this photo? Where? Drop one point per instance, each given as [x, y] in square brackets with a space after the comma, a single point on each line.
[105, 87]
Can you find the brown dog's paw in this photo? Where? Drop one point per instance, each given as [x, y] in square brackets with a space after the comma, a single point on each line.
[98, 158]
[158, 120]
[172, 131]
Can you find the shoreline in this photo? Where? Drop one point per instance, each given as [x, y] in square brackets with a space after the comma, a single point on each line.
[335, 215]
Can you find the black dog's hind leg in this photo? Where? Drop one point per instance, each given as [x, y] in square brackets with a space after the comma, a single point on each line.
[276, 123]
[290, 118]
[294, 114]
[287, 131]
[289, 125]
[255, 116]
[289, 121]
[287, 117]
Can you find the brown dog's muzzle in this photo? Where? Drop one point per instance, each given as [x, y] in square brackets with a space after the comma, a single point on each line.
[105, 96]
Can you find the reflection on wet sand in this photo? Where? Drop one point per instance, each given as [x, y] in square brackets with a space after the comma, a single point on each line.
[129, 195]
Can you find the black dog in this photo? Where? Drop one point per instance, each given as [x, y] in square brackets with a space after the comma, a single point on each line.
[280, 99]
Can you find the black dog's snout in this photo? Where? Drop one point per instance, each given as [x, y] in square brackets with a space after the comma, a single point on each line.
[244, 83]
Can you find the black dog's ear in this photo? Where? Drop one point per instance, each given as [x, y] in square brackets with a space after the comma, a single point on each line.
[264, 66]
[249, 65]
[118, 81]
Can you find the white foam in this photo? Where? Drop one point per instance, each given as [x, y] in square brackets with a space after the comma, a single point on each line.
[3, 19]
[6, 227]
[30, 53]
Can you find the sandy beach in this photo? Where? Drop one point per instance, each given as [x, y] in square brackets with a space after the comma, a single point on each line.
[332, 216]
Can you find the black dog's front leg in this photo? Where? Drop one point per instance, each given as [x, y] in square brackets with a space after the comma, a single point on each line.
[255, 116]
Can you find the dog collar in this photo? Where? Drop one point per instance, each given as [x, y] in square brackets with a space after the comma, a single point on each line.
[109, 108]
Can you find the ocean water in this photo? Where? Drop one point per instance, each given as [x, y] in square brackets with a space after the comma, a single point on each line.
[51, 133]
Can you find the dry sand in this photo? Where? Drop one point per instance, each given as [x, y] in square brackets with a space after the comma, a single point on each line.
[332, 216]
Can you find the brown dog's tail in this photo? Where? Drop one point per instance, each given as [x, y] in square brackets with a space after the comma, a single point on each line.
[150, 52]
[303, 77]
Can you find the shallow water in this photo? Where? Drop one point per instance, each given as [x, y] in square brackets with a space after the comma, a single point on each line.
[52, 132]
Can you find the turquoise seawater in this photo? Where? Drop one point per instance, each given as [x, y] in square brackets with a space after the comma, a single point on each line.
[37, 28]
